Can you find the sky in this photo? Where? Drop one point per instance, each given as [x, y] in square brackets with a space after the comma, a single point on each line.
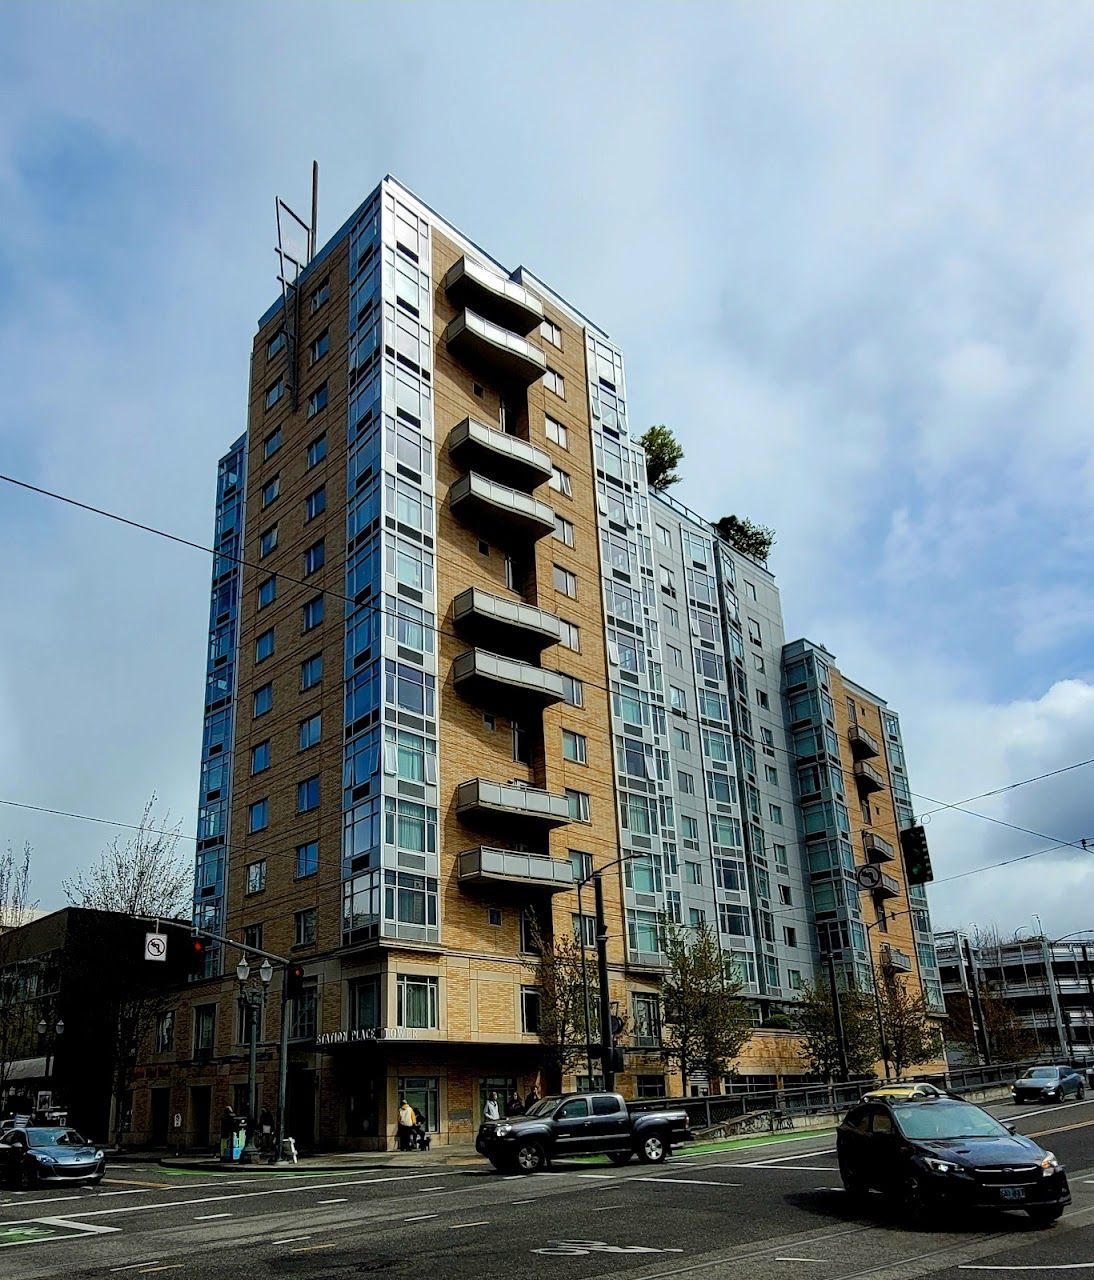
[847, 251]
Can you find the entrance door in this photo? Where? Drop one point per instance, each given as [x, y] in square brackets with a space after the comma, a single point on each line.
[300, 1107]
[160, 1108]
[201, 1105]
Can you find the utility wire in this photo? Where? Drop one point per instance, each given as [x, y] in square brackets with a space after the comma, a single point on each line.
[1012, 786]
[378, 609]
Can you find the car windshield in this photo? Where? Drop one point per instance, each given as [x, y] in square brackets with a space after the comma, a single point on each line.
[1040, 1073]
[926, 1120]
[544, 1106]
[55, 1138]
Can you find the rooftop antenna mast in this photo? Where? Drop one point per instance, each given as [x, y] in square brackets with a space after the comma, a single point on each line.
[292, 259]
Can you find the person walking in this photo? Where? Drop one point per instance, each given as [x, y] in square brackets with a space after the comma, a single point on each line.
[407, 1122]
[491, 1111]
[514, 1107]
[532, 1098]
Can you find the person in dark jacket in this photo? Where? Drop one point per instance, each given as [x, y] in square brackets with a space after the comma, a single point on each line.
[514, 1107]
[532, 1098]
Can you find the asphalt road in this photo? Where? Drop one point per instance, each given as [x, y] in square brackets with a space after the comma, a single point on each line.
[774, 1211]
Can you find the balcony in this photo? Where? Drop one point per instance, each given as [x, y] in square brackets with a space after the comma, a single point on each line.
[877, 849]
[488, 679]
[889, 887]
[470, 284]
[509, 625]
[480, 503]
[483, 867]
[863, 743]
[868, 778]
[896, 959]
[473, 446]
[481, 344]
[485, 803]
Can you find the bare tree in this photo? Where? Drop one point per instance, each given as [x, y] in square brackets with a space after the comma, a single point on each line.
[16, 908]
[706, 1024]
[141, 875]
[562, 1024]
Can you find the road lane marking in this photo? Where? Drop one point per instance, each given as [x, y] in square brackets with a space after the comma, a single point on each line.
[596, 1175]
[421, 1189]
[313, 1248]
[1046, 1266]
[778, 1168]
[1063, 1128]
[135, 1266]
[210, 1217]
[421, 1217]
[290, 1239]
[171, 1266]
[459, 1226]
[600, 1208]
[801, 1259]
[532, 1201]
[691, 1182]
[341, 1201]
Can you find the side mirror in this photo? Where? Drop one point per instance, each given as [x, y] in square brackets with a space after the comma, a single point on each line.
[1011, 1127]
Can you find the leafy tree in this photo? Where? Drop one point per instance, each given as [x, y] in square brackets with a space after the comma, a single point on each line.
[752, 540]
[1008, 1039]
[706, 1023]
[17, 1015]
[142, 875]
[562, 1026]
[663, 454]
[815, 1024]
[911, 1035]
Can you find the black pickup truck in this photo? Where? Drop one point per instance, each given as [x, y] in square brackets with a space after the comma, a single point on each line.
[581, 1124]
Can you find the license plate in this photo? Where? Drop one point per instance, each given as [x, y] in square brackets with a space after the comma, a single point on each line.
[1012, 1193]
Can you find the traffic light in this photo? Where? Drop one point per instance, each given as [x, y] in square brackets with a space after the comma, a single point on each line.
[199, 949]
[917, 859]
[294, 981]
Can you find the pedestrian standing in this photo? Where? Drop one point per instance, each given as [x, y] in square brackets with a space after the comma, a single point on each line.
[265, 1129]
[514, 1107]
[407, 1121]
[491, 1111]
[532, 1098]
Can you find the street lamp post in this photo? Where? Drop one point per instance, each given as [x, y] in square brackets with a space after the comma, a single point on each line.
[51, 1048]
[252, 999]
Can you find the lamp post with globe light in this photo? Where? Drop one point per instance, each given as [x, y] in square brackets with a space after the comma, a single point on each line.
[252, 1000]
[51, 1048]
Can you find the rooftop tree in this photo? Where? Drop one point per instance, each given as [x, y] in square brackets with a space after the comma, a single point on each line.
[663, 454]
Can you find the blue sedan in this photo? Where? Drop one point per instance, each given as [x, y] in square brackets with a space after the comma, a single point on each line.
[38, 1154]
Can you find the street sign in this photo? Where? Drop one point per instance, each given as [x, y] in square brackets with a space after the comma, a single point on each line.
[178, 1119]
[868, 876]
[155, 946]
[44, 1100]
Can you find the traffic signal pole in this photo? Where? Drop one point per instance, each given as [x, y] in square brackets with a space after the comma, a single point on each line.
[606, 1037]
[282, 1067]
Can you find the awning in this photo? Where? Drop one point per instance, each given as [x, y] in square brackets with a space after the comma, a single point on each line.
[25, 1069]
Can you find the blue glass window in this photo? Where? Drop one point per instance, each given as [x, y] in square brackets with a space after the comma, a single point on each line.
[270, 490]
[264, 645]
[313, 613]
[307, 795]
[320, 346]
[315, 557]
[263, 699]
[260, 757]
[267, 591]
[267, 541]
[310, 732]
[315, 503]
[274, 392]
[311, 671]
[317, 450]
[259, 816]
[317, 400]
[275, 344]
[272, 443]
[307, 859]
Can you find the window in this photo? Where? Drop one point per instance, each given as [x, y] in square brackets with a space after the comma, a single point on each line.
[260, 757]
[165, 1031]
[557, 433]
[305, 1013]
[554, 381]
[584, 928]
[307, 795]
[663, 536]
[645, 1020]
[307, 859]
[264, 645]
[267, 591]
[685, 783]
[271, 444]
[204, 1030]
[689, 826]
[784, 895]
[551, 332]
[678, 698]
[564, 530]
[676, 655]
[560, 482]
[573, 691]
[274, 392]
[681, 739]
[574, 746]
[780, 856]
[693, 873]
[750, 589]
[315, 557]
[565, 581]
[790, 936]
[697, 917]
[314, 611]
[270, 490]
[304, 927]
[275, 344]
[771, 774]
[754, 631]
[758, 662]
[794, 979]
[651, 1086]
[310, 732]
[317, 400]
[416, 1002]
[582, 864]
[775, 812]
[762, 700]
[578, 804]
[311, 671]
[263, 700]
[267, 541]
[319, 347]
[733, 920]
[673, 616]
[256, 876]
[252, 937]
[668, 581]
[317, 450]
[320, 295]
[315, 503]
[570, 636]
[258, 816]
[530, 1009]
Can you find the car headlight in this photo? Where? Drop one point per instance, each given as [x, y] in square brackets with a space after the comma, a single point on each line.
[502, 1129]
[44, 1159]
[941, 1166]
[1049, 1164]
[98, 1155]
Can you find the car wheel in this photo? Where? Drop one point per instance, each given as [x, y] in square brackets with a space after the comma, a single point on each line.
[852, 1184]
[531, 1158]
[28, 1178]
[620, 1157]
[653, 1150]
[913, 1203]
[1045, 1215]
[1080, 1093]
